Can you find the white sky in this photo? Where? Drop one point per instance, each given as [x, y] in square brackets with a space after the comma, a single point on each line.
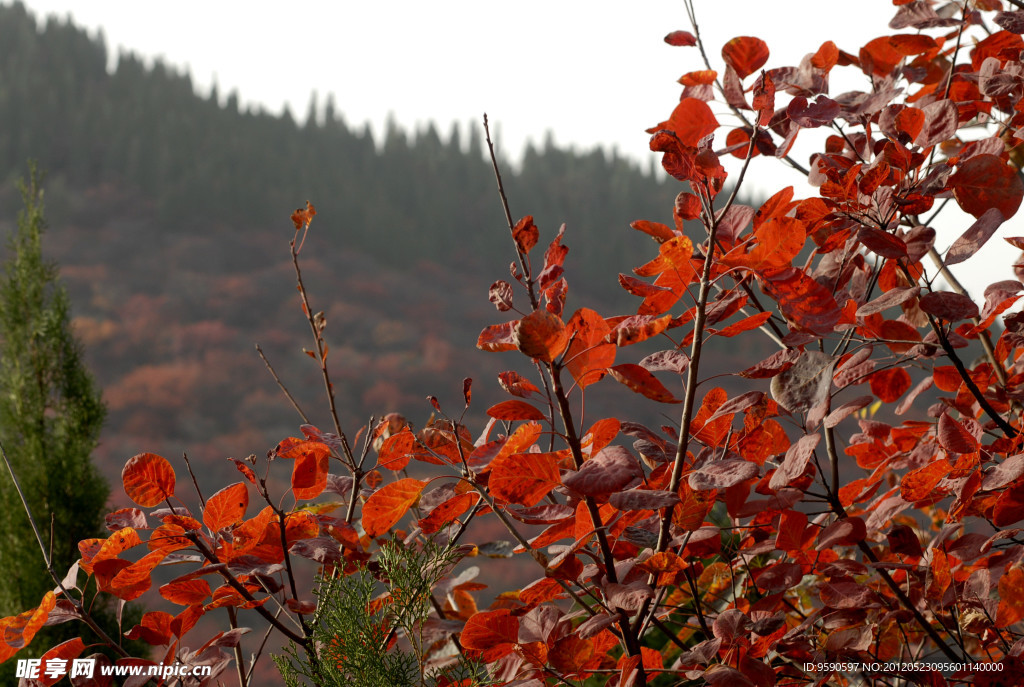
[592, 72]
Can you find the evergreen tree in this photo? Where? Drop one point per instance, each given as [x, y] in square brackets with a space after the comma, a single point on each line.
[51, 414]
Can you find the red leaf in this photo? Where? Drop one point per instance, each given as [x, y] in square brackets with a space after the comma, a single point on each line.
[889, 385]
[516, 384]
[691, 121]
[495, 632]
[226, 507]
[806, 303]
[541, 335]
[448, 511]
[779, 240]
[148, 479]
[954, 437]
[681, 39]
[642, 382]
[154, 628]
[912, 43]
[309, 474]
[511, 410]
[524, 478]
[525, 234]
[745, 54]
[985, 182]
[386, 506]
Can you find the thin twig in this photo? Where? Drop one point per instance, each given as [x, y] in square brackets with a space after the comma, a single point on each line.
[282, 386]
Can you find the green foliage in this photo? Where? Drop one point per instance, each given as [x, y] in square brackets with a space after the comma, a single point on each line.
[369, 626]
[51, 414]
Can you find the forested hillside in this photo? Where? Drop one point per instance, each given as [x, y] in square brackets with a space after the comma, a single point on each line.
[169, 217]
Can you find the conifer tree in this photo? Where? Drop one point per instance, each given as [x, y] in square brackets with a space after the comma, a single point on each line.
[51, 414]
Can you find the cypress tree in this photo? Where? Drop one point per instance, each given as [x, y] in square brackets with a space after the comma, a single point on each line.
[51, 414]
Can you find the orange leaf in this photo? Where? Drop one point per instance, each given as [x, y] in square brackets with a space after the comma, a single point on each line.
[226, 507]
[498, 337]
[488, 630]
[134, 580]
[387, 506]
[642, 382]
[588, 356]
[699, 78]
[309, 474]
[447, 511]
[745, 54]
[778, 242]
[541, 335]
[148, 479]
[805, 302]
[524, 478]
[826, 57]
[396, 451]
[919, 484]
[20, 629]
[62, 654]
[516, 384]
[523, 438]
[525, 234]
[1011, 597]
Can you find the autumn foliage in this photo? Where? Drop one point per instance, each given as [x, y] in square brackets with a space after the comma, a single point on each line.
[852, 517]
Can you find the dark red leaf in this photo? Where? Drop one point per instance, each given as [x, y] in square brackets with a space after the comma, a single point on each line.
[986, 182]
[681, 39]
[823, 111]
[949, 306]
[501, 295]
[611, 470]
[516, 384]
[971, 241]
[954, 437]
